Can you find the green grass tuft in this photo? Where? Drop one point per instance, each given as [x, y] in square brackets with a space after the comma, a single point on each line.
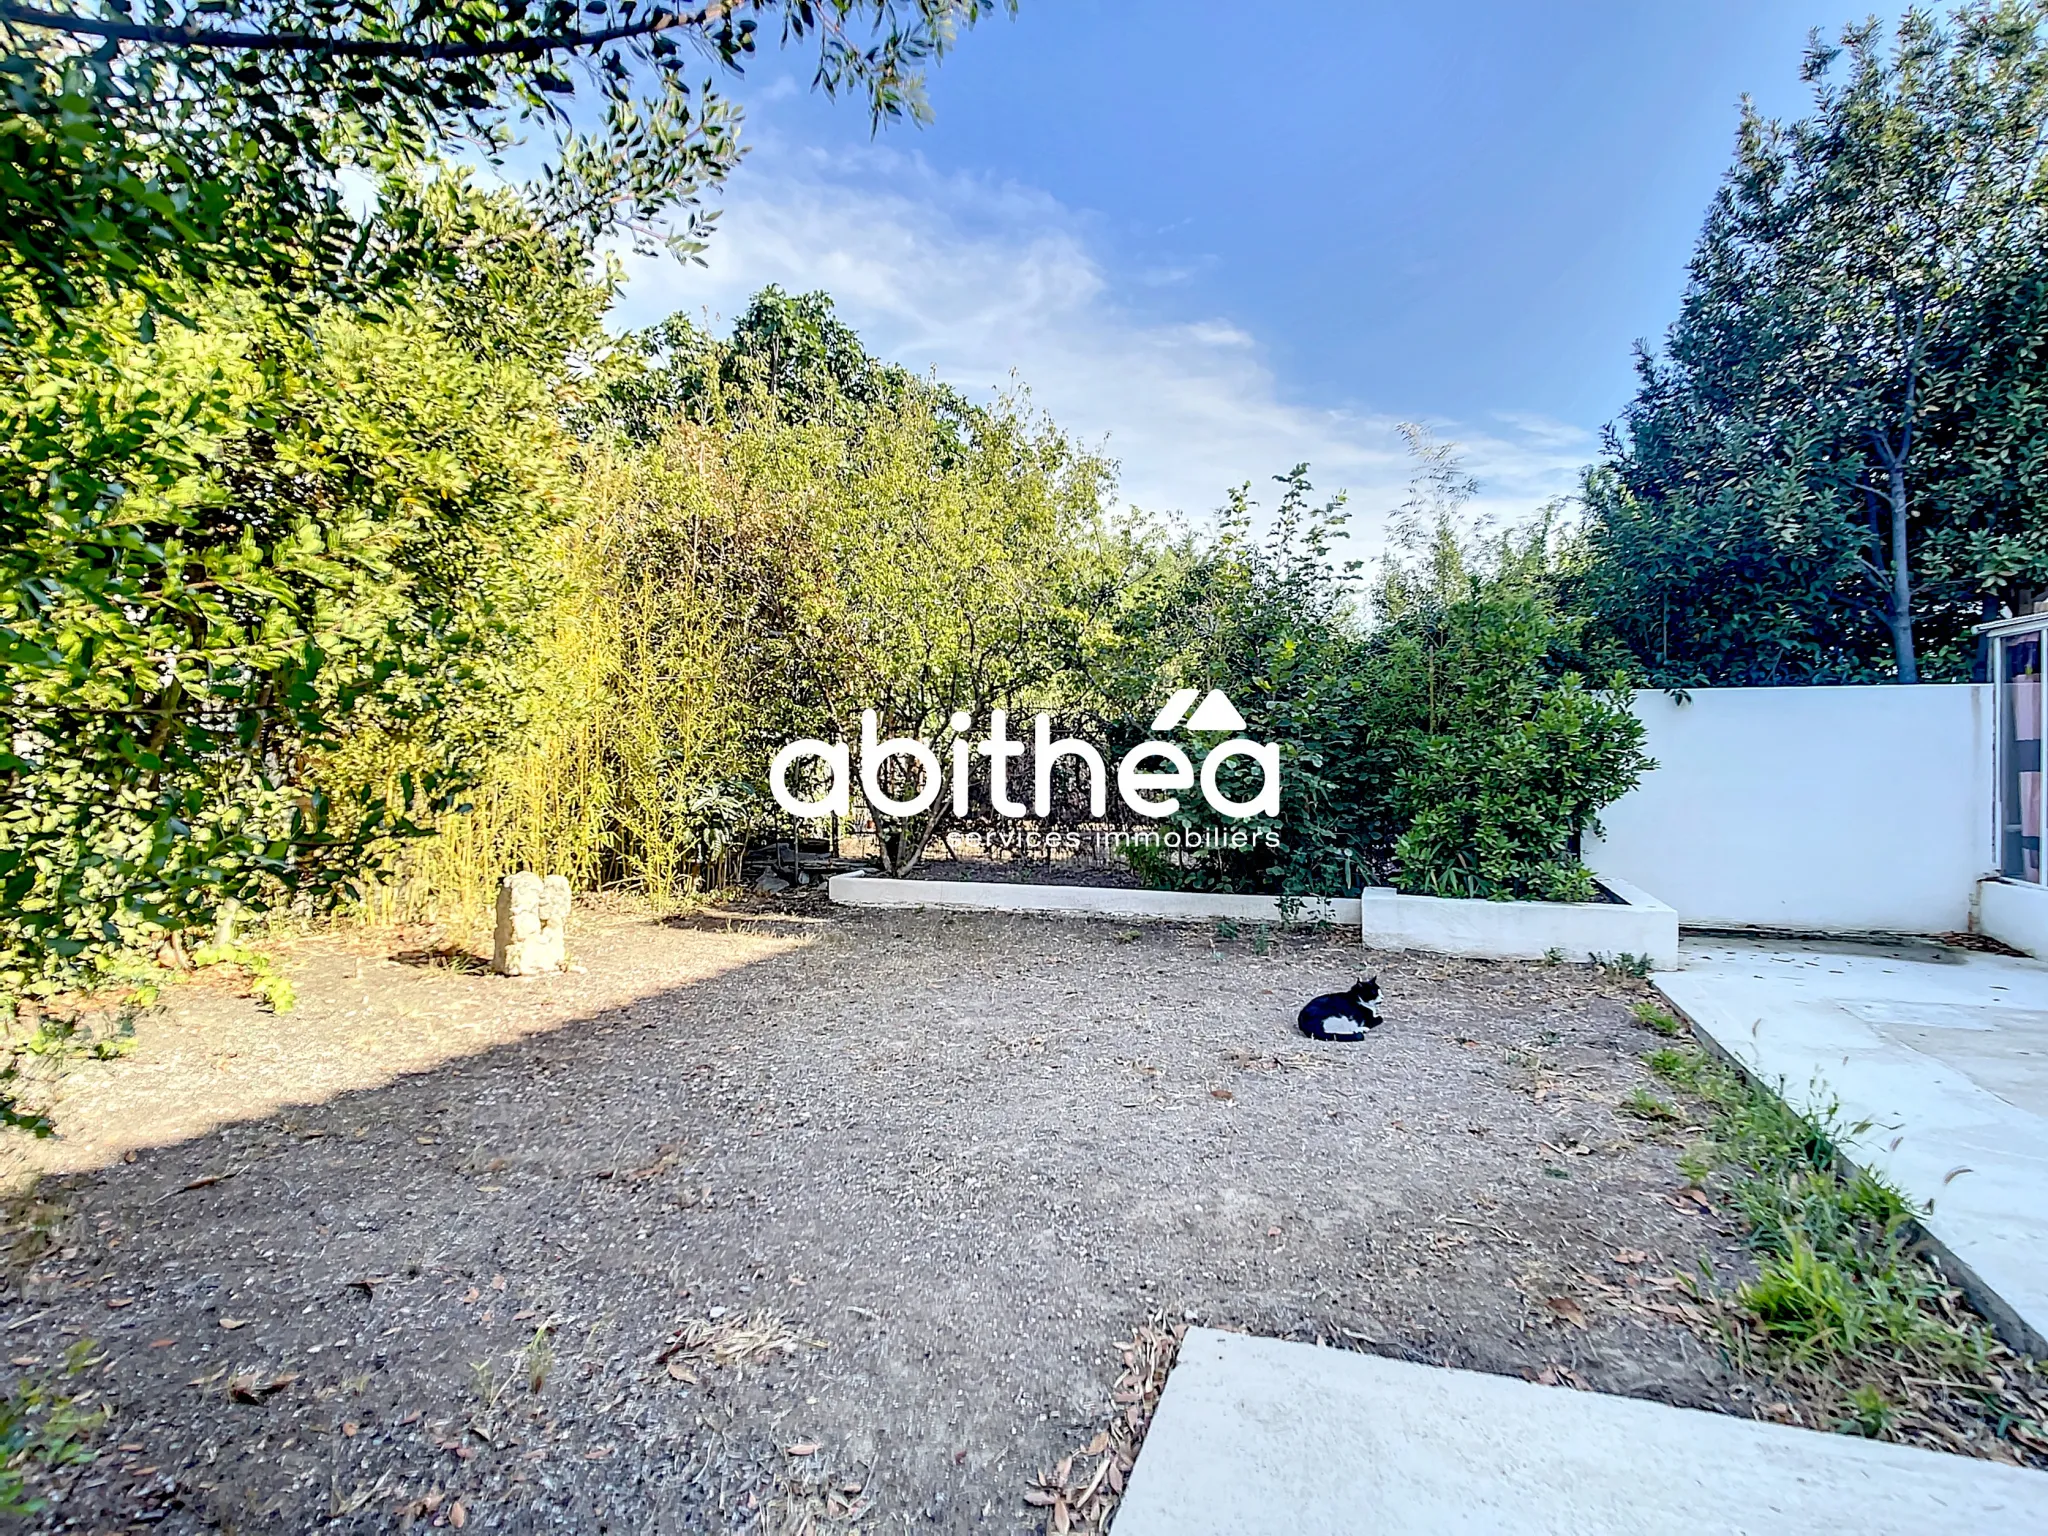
[1651, 1017]
[1844, 1302]
[1645, 1105]
[270, 984]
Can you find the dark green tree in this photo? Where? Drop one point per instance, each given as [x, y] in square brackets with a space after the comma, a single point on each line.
[788, 353]
[1826, 475]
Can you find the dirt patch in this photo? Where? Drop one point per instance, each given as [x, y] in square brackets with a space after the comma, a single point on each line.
[816, 1221]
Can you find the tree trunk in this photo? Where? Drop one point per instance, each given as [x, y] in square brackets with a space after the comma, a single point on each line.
[1987, 610]
[902, 843]
[1899, 612]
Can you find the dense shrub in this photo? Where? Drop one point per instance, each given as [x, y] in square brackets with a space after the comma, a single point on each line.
[227, 547]
[1443, 739]
[774, 533]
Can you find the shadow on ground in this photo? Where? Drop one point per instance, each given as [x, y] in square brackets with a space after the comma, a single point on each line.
[945, 1159]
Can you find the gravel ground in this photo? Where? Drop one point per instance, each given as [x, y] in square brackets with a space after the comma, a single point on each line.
[826, 1221]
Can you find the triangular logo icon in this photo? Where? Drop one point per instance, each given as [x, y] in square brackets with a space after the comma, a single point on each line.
[1174, 710]
[1215, 713]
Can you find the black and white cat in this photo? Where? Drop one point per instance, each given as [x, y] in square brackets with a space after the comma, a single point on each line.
[1341, 1015]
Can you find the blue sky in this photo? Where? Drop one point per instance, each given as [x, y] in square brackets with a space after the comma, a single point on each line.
[1224, 238]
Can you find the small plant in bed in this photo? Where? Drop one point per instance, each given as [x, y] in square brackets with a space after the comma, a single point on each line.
[1644, 1105]
[1656, 1019]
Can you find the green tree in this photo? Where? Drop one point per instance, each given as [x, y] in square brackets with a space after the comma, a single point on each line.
[1508, 755]
[1269, 617]
[762, 555]
[787, 354]
[955, 554]
[1825, 474]
[312, 508]
[148, 146]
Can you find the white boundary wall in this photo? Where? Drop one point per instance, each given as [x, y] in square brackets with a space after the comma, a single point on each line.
[1852, 809]
[1577, 931]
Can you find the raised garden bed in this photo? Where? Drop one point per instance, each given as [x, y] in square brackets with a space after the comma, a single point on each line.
[865, 890]
[1633, 923]
[983, 870]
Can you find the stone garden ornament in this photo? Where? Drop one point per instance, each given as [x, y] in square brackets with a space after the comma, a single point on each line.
[532, 937]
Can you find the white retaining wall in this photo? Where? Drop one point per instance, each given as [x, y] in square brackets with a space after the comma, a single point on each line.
[1865, 808]
[1576, 931]
[2014, 913]
[864, 890]
[1499, 930]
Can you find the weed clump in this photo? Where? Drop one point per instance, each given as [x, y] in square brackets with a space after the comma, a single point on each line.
[44, 1427]
[1847, 1308]
[1657, 1020]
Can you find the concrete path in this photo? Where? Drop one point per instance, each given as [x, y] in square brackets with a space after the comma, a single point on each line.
[1258, 1437]
[1945, 1054]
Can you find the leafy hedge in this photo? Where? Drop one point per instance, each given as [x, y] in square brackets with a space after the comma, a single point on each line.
[1451, 737]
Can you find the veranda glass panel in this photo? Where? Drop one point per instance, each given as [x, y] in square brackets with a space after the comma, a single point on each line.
[2019, 789]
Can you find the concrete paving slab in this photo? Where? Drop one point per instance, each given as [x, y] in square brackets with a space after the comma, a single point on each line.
[1260, 1437]
[1942, 1051]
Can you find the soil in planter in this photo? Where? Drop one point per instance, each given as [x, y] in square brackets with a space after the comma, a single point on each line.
[1026, 869]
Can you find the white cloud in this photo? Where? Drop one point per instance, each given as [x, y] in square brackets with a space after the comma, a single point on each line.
[984, 282]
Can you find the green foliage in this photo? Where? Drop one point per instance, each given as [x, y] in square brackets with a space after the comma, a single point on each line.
[1269, 621]
[946, 562]
[41, 1037]
[1511, 754]
[270, 985]
[1645, 1105]
[14, 1114]
[1833, 466]
[74, 1033]
[788, 356]
[43, 1428]
[229, 548]
[1624, 963]
[1656, 1019]
[1513, 763]
[206, 141]
[1448, 744]
[1871, 1413]
[766, 548]
[1687, 1069]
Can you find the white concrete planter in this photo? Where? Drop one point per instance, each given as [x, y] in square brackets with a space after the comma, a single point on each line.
[2015, 914]
[1576, 931]
[862, 890]
[1493, 930]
